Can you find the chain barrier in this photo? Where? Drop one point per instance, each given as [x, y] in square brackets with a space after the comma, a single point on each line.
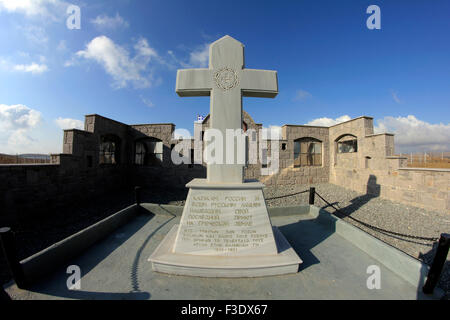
[288, 195]
[434, 239]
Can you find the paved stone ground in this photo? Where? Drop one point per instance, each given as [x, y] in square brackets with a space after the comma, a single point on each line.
[43, 231]
[118, 268]
[375, 211]
[381, 213]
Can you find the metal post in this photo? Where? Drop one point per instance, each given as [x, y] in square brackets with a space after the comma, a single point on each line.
[312, 194]
[438, 263]
[9, 250]
[137, 194]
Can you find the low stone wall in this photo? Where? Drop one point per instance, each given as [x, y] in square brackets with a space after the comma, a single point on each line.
[173, 177]
[294, 176]
[420, 187]
[28, 191]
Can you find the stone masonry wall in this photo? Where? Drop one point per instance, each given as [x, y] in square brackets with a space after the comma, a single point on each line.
[27, 191]
[424, 188]
[374, 170]
[168, 174]
[288, 174]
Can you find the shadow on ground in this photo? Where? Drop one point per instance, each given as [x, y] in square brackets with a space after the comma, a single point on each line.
[310, 235]
[165, 196]
[373, 191]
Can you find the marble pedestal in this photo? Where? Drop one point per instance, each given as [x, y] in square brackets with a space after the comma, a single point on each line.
[225, 231]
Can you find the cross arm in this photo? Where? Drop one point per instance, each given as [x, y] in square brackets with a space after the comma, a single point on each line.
[259, 83]
[194, 82]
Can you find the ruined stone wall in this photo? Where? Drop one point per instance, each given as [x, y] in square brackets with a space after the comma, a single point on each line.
[76, 175]
[420, 187]
[29, 191]
[290, 175]
[287, 173]
[100, 127]
[167, 174]
[425, 188]
[374, 170]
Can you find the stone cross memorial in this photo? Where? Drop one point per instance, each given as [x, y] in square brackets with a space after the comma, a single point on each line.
[225, 229]
[226, 81]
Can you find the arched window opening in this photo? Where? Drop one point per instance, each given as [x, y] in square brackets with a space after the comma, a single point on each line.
[244, 126]
[141, 153]
[109, 150]
[347, 144]
[155, 152]
[307, 152]
[149, 152]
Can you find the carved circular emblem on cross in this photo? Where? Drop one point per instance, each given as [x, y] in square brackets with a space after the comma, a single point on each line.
[226, 78]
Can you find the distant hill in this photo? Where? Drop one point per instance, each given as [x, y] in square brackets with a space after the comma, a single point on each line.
[35, 156]
[24, 158]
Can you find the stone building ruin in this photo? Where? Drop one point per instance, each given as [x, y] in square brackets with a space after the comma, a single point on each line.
[109, 154]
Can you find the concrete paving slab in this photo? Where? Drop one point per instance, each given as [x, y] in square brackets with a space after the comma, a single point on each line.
[117, 268]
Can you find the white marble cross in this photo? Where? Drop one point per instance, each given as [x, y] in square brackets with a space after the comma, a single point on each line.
[226, 81]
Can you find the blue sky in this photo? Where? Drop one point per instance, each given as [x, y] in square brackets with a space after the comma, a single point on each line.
[122, 64]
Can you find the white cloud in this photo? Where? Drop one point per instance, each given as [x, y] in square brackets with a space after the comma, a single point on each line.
[328, 122]
[33, 68]
[24, 130]
[35, 34]
[19, 139]
[412, 134]
[18, 116]
[144, 53]
[71, 62]
[62, 45]
[53, 9]
[200, 57]
[106, 22]
[395, 97]
[117, 62]
[16, 121]
[7, 64]
[28, 7]
[67, 123]
[197, 58]
[301, 95]
[147, 102]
